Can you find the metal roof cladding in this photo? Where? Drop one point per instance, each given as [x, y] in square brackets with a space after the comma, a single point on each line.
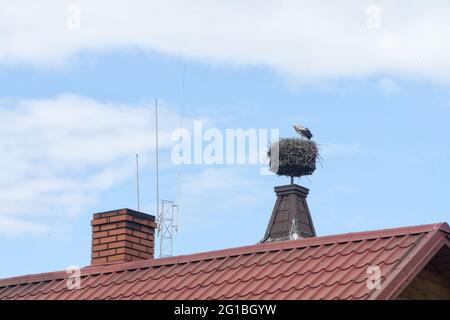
[331, 267]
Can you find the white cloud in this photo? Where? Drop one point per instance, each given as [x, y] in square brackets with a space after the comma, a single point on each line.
[11, 226]
[306, 40]
[388, 86]
[58, 155]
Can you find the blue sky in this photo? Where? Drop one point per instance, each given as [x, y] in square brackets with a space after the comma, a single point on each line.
[75, 112]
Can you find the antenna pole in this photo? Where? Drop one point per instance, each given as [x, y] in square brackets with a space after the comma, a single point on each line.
[157, 158]
[137, 181]
[177, 222]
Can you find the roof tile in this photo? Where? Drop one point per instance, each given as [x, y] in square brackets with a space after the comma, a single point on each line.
[317, 268]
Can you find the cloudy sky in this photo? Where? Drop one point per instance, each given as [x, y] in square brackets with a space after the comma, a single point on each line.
[78, 80]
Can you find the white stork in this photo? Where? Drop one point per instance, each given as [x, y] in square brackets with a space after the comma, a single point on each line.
[304, 132]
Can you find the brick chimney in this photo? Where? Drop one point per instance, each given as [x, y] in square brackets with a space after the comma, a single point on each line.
[121, 236]
[290, 218]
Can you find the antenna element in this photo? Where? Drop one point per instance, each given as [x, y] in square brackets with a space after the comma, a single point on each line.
[137, 181]
[157, 158]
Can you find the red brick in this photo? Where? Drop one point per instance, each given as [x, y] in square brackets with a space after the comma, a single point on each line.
[106, 214]
[110, 226]
[141, 220]
[147, 243]
[117, 244]
[139, 247]
[100, 234]
[119, 257]
[150, 224]
[106, 253]
[133, 258]
[147, 230]
[119, 231]
[96, 222]
[117, 218]
[128, 251]
[145, 255]
[146, 222]
[98, 261]
[139, 234]
[133, 226]
[108, 239]
[100, 247]
[150, 250]
[133, 239]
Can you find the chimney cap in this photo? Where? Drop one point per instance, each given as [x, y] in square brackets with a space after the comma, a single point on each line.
[137, 214]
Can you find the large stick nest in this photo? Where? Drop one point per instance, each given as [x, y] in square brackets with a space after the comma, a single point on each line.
[297, 157]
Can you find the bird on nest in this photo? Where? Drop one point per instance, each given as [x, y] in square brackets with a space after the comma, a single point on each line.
[303, 132]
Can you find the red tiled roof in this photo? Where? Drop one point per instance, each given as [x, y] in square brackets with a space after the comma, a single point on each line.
[331, 267]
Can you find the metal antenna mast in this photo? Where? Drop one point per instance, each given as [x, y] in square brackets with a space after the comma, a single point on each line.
[165, 214]
[166, 227]
[168, 213]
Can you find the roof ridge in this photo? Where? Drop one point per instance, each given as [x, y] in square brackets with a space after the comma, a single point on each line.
[244, 250]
